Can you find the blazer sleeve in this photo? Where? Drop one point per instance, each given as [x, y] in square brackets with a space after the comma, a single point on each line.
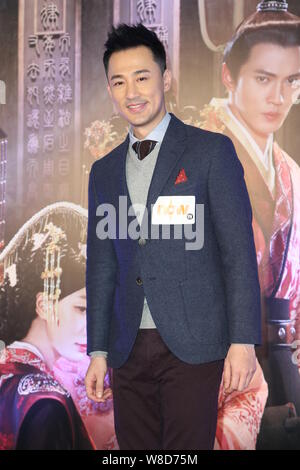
[101, 270]
[231, 214]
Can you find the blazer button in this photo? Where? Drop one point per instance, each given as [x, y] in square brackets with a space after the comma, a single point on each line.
[142, 241]
[139, 281]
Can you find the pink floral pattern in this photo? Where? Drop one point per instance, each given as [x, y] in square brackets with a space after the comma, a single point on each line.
[240, 414]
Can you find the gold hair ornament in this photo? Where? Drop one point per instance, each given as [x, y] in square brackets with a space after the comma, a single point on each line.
[52, 273]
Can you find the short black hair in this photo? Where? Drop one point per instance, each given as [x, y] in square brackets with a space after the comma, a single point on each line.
[126, 36]
[238, 50]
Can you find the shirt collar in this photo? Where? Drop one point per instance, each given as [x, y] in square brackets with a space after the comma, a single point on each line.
[157, 133]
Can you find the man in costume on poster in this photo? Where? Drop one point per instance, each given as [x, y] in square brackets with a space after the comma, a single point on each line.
[261, 72]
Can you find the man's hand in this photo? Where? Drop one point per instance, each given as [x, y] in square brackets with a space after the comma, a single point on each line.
[94, 380]
[239, 367]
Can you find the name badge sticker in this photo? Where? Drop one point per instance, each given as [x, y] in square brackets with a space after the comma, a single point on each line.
[174, 210]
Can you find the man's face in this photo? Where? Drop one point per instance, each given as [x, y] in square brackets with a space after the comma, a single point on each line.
[266, 88]
[137, 87]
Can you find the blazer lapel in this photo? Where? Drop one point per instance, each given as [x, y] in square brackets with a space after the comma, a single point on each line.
[172, 148]
[123, 182]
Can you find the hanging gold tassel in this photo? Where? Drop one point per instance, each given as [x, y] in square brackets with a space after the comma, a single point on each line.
[52, 273]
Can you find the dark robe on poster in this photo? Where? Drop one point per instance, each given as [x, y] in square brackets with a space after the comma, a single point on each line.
[36, 412]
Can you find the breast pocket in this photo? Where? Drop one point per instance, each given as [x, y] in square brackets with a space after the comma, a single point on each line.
[184, 189]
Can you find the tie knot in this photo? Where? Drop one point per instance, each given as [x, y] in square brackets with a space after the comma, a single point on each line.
[143, 148]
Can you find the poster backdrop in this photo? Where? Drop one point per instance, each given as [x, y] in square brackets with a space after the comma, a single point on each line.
[56, 119]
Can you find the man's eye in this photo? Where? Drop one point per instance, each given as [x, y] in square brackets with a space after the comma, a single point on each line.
[143, 78]
[262, 79]
[117, 83]
[294, 82]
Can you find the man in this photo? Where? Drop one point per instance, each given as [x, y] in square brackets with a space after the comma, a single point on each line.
[162, 316]
[261, 72]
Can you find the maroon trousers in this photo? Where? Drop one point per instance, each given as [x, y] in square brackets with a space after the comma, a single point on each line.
[163, 403]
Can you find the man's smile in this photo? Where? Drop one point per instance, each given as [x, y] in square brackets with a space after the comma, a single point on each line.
[138, 107]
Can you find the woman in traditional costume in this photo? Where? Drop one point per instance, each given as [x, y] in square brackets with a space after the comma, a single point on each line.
[43, 325]
[261, 72]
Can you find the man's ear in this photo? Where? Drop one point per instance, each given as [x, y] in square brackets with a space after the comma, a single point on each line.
[109, 90]
[227, 78]
[167, 78]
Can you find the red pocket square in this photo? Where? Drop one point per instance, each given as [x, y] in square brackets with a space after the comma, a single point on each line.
[181, 178]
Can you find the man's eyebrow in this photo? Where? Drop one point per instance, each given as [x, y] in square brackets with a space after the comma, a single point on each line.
[116, 76]
[137, 72]
[295, 75]
[265, 72]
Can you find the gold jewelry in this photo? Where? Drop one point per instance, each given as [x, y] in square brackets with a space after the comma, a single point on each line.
[52, 273]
